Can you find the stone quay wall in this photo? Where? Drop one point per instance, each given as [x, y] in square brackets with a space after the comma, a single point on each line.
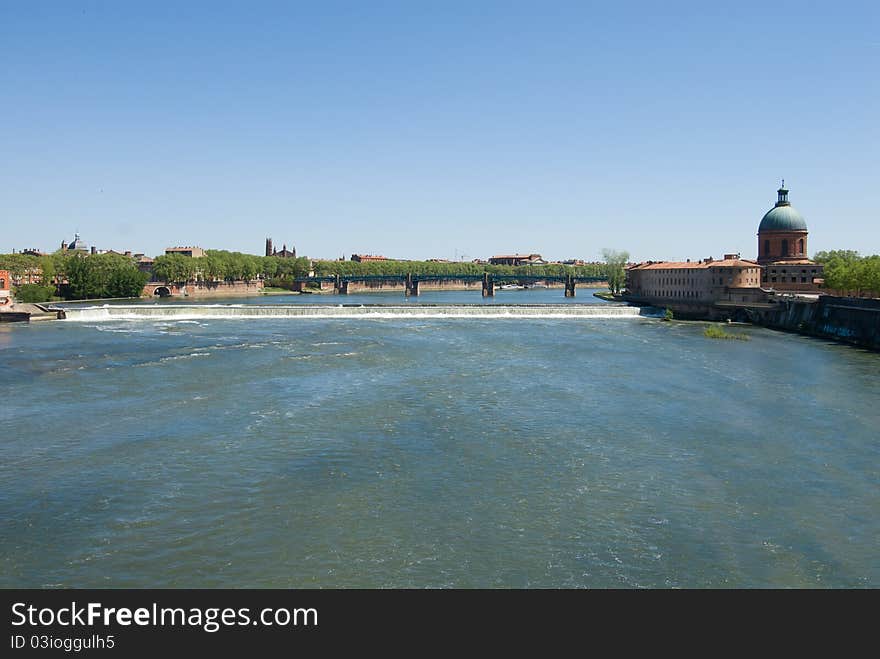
[207, 289]
[848, 319]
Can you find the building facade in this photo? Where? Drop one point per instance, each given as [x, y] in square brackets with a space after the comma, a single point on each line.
[700, 283]
[5, 287]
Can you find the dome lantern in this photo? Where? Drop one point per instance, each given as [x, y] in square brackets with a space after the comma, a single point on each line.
[783, 196]
[783, 216]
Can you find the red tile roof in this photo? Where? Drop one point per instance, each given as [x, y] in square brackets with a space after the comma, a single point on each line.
[694, 265]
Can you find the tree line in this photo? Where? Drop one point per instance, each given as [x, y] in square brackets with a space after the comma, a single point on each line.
[398, 268]
[847, 272]
[76, 276]
[73, 276]
[219, 265]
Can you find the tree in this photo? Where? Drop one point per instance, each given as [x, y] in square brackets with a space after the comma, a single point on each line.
[175, 268]
[845, 270]
[34, 293]
[102, 276]
[615, 269]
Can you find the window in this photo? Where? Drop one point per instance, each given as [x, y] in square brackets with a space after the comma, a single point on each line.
[785, 247]
[766, 248]
[801, 246]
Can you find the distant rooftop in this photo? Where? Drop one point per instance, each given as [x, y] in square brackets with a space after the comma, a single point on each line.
[729, 261]
[189, 250]
[368, 257]
[517, 256]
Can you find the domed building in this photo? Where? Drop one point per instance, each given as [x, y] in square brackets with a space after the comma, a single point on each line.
[782, 249]
[78, 245]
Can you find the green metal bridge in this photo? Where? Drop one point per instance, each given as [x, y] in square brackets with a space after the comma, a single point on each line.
[412, 281]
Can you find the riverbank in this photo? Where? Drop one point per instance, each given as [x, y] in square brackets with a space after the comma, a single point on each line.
[608, 296]
[855, 321]
[19, 312]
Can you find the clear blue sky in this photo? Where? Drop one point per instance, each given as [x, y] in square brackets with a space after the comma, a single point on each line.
[438, 129]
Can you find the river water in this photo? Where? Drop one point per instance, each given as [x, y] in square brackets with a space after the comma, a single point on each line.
[486, 451]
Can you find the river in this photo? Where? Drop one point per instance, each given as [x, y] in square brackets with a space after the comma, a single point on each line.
[402, 451]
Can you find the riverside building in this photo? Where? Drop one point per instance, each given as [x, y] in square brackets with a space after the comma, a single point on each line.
[782, 249]
[5, 286]
[704, 282]
[700, 288]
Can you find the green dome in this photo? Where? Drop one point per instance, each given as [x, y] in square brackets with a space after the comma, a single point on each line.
[782, 217]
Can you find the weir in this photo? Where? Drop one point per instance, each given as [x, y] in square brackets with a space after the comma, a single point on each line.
[379, 311]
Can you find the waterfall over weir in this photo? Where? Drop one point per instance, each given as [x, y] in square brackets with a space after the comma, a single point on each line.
[250, 311]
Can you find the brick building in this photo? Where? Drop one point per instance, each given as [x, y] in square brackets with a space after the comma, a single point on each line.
[283, 253]
[5, 287]
[782, 266]
[782, 249]
[705, 282]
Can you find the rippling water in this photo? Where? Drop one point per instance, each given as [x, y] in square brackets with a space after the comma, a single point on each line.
[578, 452]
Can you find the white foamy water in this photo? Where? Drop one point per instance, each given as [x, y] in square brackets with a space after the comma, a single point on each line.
[250, 311]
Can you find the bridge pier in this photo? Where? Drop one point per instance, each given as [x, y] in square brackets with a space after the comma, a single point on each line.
[569, 286]
[411, 286]
[488, 285]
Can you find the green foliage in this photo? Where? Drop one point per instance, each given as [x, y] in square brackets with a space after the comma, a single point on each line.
[22, 265]
[34, 293]
[173, 268]
[848, 272]
[668, 315]
[220, 265]
[717, 332]
[615, 268]
[102, 276]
